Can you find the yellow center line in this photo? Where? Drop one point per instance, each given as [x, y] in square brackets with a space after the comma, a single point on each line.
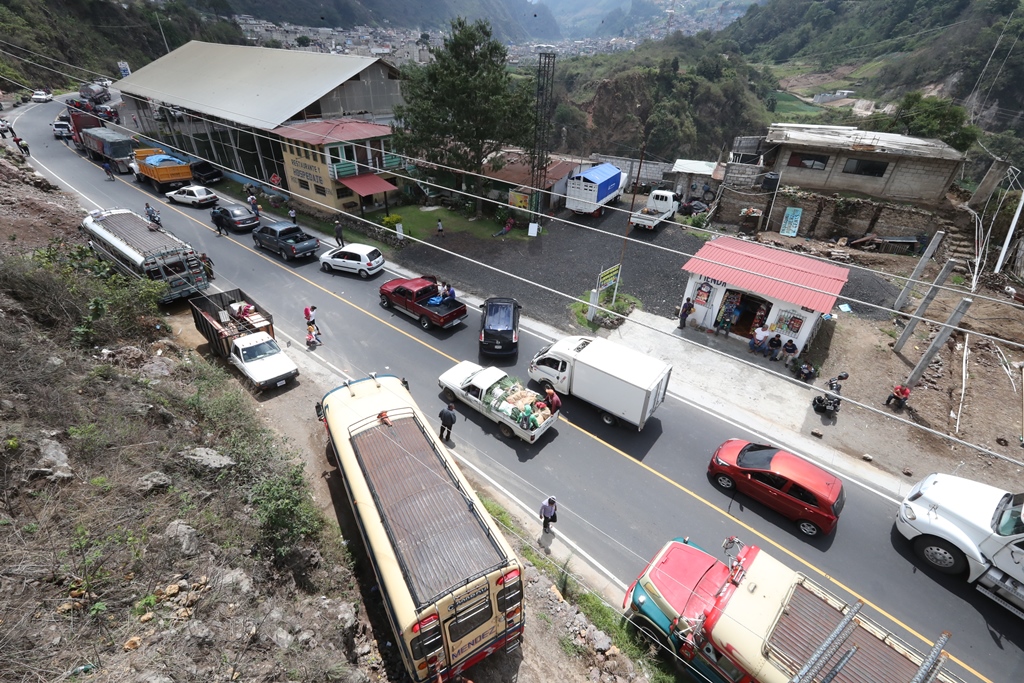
[619, 452]
[774, 544]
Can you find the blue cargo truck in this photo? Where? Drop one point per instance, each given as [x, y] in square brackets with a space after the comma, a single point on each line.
[589, 191]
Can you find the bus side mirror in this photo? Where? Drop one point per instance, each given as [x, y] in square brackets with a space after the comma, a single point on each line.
[320, 411]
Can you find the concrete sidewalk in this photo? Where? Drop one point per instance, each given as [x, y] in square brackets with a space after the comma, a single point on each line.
[720, 376]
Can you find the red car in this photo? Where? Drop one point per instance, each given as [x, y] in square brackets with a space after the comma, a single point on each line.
[788, 484]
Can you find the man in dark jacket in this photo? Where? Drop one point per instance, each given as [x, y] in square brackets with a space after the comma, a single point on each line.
[448, 418]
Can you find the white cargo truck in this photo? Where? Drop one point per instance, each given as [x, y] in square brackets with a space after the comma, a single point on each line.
[967, 528]
[625, 385]
[589, 191]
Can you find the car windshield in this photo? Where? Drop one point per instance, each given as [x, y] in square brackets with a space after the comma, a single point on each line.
[499, 317]
[261, 350]
[1008, 520]
[755, 456]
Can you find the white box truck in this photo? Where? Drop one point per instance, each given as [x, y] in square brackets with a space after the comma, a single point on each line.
[624, 384]
[588, 192]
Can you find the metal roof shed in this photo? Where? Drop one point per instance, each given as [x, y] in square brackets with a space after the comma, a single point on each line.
[781, 275]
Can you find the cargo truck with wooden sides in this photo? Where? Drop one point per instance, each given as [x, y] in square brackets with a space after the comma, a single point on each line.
[163, 171]
[103, 144]
[241, 331]
[755, 620]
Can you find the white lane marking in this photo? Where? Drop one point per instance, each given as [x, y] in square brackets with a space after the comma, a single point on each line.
[529, 510]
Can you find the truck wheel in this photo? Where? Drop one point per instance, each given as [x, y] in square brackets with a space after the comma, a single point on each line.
[424, 322]
[942, 555]
[725, 482]
[257, 243]
[609, 419]
[384, 302]
[285, 255]
[808, 528]
[449, 395]
[506, 431]
[545, 385]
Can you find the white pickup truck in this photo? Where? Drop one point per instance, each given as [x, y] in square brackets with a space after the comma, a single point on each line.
[494, 394]
[960, 526]
[661, 206]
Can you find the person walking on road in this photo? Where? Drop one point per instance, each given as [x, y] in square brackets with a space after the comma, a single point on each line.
[208, 265]
[549, 513]
[310, 314]
[448, 418]
[253, 204]
[684, 312]
[440, 228]
[339, 234]
[135, 121]
[291, 215]
[554, 403]
[313, 336]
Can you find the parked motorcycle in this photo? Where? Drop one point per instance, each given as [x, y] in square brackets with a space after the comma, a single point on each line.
[828, 404]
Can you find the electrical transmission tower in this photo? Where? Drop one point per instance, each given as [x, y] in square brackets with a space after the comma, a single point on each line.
[542, 132]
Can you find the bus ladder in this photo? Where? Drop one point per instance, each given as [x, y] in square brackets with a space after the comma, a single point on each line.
[514, 642]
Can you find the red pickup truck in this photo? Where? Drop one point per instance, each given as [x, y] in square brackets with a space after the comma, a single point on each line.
[413, 297]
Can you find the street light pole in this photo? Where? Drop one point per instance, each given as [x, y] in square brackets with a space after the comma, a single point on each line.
[632, 202]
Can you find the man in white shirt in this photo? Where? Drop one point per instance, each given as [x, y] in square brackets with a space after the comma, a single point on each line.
[549, 513]
[759, 342]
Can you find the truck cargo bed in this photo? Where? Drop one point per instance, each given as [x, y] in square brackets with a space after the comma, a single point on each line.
[812, 614]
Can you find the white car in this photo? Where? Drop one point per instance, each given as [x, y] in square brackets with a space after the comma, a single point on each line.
[353, 258]
[196, 195]
[42, 96]
[105, 82]
[61, 129]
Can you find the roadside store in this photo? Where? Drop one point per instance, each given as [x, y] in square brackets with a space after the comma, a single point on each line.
[790, 293]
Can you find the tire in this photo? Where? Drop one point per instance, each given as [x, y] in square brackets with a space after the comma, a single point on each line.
[545, 385]
[506, 431]
[941, 555]
[725, 482]
[285, 255]
[808, 528]
[425, 322]
[384, 302]
[609, 419]
[363, 274]
[449, 395]
[326, 267]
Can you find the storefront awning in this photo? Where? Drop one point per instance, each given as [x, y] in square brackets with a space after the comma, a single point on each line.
[775, 273]
[367, 184]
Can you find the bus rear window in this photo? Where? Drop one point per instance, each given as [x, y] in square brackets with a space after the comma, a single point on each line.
[174, 268]
[465, 624]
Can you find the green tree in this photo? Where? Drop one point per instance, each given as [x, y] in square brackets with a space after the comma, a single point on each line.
[273, 42]
[303, 41]
[930, 117]
[463, 106]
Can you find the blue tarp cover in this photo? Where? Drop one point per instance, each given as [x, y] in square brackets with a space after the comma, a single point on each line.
[163, 160]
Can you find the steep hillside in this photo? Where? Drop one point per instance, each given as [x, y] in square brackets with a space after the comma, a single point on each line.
[513, 20]
[683, 96]
[90, 37]
[962, 49]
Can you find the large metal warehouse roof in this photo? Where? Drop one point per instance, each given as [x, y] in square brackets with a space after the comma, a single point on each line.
[253, 86]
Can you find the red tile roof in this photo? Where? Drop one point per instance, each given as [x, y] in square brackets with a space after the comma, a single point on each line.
[516, 171]
[779, 274]
[334, 130]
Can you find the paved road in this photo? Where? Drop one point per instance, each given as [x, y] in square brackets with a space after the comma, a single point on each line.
[621, 493]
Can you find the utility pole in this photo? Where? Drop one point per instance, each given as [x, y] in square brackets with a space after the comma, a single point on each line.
[940, 339]
[925, 302]
[932, 246]
[161, 25]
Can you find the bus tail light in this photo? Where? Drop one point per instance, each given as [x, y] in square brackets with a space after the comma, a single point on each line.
[508, 577]
[513, 613]
[425, 623]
